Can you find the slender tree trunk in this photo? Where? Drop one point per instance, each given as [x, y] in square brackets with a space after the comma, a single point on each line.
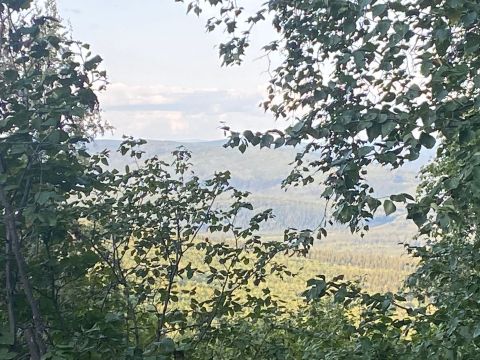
[161, 319]
[32, 345]
[53, 288]
[131, 315]
[12, 235]
[10, 289]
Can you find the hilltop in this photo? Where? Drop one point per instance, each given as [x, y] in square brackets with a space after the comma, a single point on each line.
[261, 172]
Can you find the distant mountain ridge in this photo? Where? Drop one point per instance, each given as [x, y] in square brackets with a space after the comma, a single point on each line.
[261, 172]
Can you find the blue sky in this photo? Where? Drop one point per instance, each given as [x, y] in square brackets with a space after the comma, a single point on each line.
[165, 76]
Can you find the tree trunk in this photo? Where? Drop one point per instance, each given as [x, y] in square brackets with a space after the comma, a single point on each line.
[10, 289]
[32, 345]
[12, 235]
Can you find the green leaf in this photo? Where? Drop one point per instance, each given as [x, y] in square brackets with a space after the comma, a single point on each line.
[10, 75]
[92, 63]
[427, 140]
[398, 198]
[374, 131]
[266, 141]
[242, 147]
[389, 207]
[359, 59]
[166, 345]
[383, 27]
[378, 9]
[279, 142]
[43, 197]
[465, 136]
[365, 150]
[248, 135]
[340, 294]
[476, 331]
[388, 127]
[6, 338]
[418, 218]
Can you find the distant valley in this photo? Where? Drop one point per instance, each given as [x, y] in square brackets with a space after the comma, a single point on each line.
[261, 172]
[379, 259]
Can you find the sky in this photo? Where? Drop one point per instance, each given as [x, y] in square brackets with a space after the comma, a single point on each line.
[165, 78]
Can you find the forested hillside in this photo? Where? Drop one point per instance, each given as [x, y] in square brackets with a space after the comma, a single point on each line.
[379, 259]
[261, 172]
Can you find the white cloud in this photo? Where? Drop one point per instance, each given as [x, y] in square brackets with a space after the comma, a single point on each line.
[161, 98]
[160, 112]
[177, 123]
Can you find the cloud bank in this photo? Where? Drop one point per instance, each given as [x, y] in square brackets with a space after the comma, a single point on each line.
[161, 112]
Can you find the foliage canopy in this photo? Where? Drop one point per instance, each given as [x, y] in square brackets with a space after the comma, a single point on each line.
[97, 261]
[363, 82]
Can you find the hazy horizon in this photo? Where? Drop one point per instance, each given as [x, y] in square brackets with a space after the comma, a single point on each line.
[165, 77]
